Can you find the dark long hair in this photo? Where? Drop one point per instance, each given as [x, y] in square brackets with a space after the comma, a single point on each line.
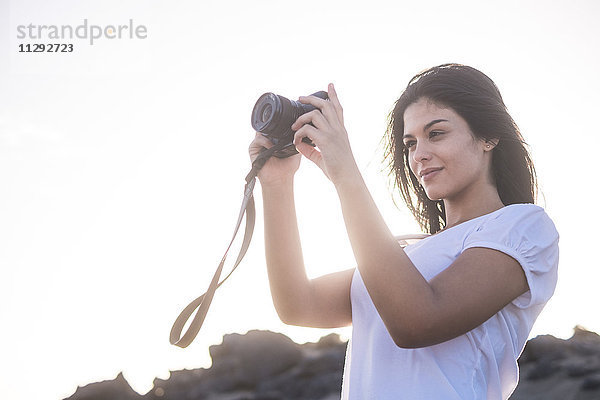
[476, 98]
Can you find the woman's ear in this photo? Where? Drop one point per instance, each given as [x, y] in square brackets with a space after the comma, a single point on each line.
[490, 144]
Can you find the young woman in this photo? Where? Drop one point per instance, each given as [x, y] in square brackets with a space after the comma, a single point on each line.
[445, 317]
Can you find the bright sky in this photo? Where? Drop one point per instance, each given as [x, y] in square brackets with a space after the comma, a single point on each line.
[122, 163]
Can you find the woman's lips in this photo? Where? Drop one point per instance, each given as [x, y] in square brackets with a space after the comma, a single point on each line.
[431, 175]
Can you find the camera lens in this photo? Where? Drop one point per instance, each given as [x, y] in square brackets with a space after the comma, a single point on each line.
[266, 113]
[273, 116]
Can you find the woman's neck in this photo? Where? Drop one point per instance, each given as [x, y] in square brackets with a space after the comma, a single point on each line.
[469, 206]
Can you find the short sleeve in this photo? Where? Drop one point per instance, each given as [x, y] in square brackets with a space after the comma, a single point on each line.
[526, 233]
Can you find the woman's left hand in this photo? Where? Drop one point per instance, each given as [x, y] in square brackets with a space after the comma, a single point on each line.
[333, 154]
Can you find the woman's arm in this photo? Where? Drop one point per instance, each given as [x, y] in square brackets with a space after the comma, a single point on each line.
[416, 312]
[323, 302]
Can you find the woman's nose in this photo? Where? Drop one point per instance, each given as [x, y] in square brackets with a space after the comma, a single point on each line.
[421, 152]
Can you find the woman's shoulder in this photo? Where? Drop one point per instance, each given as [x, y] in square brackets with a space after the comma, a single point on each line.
[522, 208]
[517, 209]
[518, 222]
[515, 219]
[522, 215]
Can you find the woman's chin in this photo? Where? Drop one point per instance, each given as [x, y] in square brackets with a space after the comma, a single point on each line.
[433, 195]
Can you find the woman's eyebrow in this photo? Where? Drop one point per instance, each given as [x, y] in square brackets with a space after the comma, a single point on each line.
[428, 125]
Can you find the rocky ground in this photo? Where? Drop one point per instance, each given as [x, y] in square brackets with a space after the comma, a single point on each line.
[553, 368]
[263, 365]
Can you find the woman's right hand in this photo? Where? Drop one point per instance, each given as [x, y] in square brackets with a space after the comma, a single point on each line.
[276, 170]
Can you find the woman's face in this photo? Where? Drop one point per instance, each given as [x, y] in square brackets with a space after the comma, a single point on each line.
[439, 140]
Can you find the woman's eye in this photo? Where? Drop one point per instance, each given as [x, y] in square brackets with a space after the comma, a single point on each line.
[411, 143]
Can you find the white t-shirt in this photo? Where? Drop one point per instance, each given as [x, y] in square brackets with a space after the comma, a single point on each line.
[481, 364]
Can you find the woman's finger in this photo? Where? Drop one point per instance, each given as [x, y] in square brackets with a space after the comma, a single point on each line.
[261, 141]
[311, 153]
[308, 131]
[324, 105]
[314, 116]
[335, 101]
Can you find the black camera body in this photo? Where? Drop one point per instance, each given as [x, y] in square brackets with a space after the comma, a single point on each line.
[273, 116]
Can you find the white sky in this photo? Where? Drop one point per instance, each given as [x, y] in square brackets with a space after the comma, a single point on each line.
[122, 163]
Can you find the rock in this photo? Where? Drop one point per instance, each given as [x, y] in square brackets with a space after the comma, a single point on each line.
[262, 365]
[243, 361]
[583, 366]
[585, 342]
[553, 368]
[544, 368]
[331, 360]
[591, 383]
[260, 353]
[330, 341]
[177, 386]
[543, 347]
[117, 389]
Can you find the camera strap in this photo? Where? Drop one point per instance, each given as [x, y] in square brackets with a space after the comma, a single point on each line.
[202, 303]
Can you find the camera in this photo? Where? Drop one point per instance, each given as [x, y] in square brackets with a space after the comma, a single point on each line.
[273, 116]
